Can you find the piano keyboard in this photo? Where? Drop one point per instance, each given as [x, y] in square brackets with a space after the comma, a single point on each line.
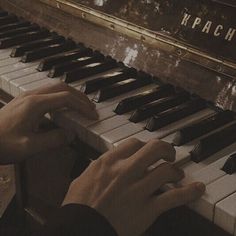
[131, 104]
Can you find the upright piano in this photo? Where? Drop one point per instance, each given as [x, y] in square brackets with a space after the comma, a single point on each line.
[156, 69]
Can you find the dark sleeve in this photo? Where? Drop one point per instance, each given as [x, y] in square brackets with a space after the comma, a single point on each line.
[77, 220]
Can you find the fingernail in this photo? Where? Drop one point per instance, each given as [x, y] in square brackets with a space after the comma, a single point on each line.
[201, 187]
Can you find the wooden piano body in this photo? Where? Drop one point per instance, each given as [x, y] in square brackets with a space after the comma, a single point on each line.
[190, 44]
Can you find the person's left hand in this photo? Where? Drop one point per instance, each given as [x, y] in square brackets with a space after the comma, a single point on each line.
[20, 119]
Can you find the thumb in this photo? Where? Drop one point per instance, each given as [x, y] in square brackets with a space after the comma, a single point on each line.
[179, 196]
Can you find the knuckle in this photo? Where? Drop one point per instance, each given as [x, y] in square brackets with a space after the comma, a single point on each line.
[122, 173]
[103, 162]
[125, 170]
[24, 142]
[29, 101]
[154, 143]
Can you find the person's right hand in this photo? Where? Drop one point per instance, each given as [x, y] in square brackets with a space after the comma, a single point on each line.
[121, 186]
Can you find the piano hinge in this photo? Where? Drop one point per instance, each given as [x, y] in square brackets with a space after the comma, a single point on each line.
[154, 39]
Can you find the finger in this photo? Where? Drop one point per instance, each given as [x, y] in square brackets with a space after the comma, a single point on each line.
[45, 141]
[178, 197]
[50, 102]
[124, 150]
[163, 174]
[60, 87]
[152, 152]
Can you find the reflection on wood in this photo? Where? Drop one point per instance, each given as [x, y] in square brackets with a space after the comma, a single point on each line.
[7, 187]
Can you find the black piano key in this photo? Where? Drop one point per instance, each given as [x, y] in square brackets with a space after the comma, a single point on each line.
[23, 48]
[60, 69]
[107, 80]
[7, 19]
[18, 31]
[89, 70]
[141, 99]
[175, 114]
[120, 88]
[13, 26]
[158, 106]
[230, 165]
[213, 143]
[47, 51]
[23, 38]
[48, 63]
[203, 127]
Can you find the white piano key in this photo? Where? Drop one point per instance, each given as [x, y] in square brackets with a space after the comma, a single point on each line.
[97, 129]
[209, 172]
[206, 173]
[144, 135]
[80, 123]
[15, 67]
[215, 192]
[8, 61]
[4, 54]
[108, 124]
[6, 78]
[5, 51]
[219, 185]
[36, 84]
[225, 214]
[17, 83]
[120, 133]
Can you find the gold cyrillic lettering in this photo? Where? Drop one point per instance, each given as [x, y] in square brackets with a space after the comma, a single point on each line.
[230, 34]
[196, 22]
[185, 19]
[207, 27]
[218, 30]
